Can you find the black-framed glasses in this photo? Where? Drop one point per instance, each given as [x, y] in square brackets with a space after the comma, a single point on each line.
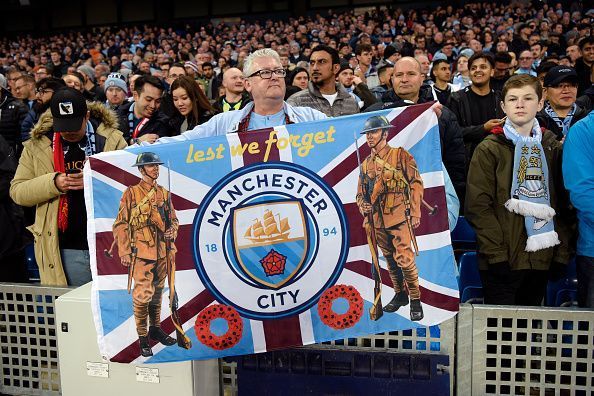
[44, 91]
[267, 74]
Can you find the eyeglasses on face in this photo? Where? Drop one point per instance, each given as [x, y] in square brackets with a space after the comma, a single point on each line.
[267, 74]
[44, 91]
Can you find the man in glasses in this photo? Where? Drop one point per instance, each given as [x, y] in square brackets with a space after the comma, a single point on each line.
[265, 81]
[560, 110]
[44, 91]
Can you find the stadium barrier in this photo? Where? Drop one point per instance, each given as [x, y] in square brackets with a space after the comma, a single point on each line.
[490, 349]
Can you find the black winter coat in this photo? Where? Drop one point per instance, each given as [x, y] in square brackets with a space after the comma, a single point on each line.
[158, 123]
[12, 114]
[450, 134]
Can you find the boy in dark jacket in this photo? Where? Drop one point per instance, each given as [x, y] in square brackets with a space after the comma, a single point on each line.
[516, 202]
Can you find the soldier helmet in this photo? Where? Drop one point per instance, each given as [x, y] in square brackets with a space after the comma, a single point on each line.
[376, 122]
[148, 159]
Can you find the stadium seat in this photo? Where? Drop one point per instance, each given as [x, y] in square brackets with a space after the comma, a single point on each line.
[564, 291]
[463, 232]
[32, 267]
[471, 288]
[463, 238]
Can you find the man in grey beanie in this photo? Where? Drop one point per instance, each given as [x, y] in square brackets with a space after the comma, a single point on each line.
[116, 90]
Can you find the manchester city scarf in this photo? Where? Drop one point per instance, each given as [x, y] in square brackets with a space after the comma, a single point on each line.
[530, 196]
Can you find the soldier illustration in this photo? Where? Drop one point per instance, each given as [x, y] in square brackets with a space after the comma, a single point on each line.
[389, 195]
[144, 230]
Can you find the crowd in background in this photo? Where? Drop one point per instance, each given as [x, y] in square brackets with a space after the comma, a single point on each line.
[151, 82]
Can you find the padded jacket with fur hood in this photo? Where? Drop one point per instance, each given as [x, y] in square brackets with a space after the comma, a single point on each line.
[33, 185]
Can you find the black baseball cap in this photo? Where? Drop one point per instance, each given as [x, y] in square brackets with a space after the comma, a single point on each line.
[69, 108]
[558, 74]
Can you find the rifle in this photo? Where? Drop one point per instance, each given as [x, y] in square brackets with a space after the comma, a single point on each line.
[376, 310]
[182, 340]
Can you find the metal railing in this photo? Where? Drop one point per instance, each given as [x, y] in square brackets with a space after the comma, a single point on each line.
[28, 342]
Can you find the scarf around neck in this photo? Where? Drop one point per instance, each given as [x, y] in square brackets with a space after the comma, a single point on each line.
[530, 194]
[563, 124]
[59, 166]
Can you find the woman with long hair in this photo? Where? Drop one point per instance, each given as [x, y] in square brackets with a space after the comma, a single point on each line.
[191, 105]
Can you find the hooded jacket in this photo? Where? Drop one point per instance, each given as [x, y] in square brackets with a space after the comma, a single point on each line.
[33, 185]
[501, 234]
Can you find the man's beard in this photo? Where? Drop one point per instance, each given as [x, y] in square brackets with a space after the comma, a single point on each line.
[40, 107]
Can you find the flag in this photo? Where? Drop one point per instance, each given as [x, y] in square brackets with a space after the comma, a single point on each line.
[271, 249]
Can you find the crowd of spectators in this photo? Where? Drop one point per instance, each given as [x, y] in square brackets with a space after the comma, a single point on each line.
[154, 82]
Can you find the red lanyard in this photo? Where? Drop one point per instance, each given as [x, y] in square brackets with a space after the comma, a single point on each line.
[140, 125]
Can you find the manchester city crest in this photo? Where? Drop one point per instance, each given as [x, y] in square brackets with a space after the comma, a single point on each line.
[270, 241]
[259, 230]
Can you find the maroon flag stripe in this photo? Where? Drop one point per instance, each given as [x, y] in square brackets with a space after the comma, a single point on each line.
[429, 224]
[402, 120]
[260, 138]
[284, 331]
[112, 266]
[188, 311]
[128, 179]
[428, 296]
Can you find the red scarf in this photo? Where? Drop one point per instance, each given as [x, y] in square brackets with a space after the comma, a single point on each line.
[59, 166]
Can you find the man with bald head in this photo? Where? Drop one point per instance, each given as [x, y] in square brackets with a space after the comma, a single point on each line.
[408, 89]
[235, 97]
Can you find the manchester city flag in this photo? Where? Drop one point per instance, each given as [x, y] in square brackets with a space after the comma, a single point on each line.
[289, 236]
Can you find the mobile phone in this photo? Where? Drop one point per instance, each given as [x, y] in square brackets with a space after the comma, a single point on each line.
[72, 171]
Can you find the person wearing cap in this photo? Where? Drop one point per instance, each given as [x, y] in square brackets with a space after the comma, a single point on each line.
[560, 110]
[408, 89]
[384, 73]
[44, 91]
[323, 93]
[390, 191]
[49, 176]
[142, 119]
[578, 162]
[144, 231]
[264, 80]
[116, 90]
[346, 77]
[12, 114]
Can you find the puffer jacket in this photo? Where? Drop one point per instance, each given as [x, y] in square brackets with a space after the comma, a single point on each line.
[501, 234]
[33, 185]
[12, 114]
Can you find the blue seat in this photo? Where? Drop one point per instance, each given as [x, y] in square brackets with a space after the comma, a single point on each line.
[32, 267]
[471, 287]
[564, 291]
[463, 238]
[463, 232]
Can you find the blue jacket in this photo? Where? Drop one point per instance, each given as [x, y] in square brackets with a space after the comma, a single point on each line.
[228, 122]
[578, 162]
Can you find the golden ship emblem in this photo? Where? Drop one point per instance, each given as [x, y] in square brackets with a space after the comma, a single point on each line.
[268, 229]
